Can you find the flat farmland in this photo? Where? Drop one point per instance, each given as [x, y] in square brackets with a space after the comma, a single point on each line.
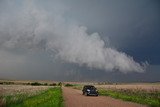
[148, 94]
[21, 89]
[145, 87]
[115, 95]
[30, 96]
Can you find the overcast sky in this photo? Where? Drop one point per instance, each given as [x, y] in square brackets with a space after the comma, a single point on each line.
[80, 40]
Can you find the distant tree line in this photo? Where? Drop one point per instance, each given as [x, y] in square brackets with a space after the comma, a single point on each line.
[31, 83]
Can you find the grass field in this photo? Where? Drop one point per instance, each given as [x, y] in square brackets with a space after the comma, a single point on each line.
[41, 96]
[143, 93]
[31, 96]
[152, 99]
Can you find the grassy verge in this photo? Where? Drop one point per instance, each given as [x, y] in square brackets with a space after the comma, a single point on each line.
[49, 98]
[74, 86]
[151, 99]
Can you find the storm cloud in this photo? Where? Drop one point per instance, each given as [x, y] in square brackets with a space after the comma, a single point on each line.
[34, 28]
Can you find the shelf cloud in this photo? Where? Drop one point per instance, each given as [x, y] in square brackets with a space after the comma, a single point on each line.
[34, 28]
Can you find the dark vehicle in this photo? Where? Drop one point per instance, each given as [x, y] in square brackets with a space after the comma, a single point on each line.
[89, 90]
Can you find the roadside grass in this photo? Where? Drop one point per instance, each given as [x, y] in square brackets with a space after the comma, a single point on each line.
[74, 86]
[152, 99]
[78, 86]
[69, 85]
[16, 98]
[49, 98]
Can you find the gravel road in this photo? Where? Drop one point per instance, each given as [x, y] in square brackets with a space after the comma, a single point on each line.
[74, 98]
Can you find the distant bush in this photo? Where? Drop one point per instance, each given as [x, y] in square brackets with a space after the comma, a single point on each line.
[7, 83]
[106, 83]
[45, 84]
[53, 84]
[36, 84]
[59, 84]
[69, 85]
[28, 83]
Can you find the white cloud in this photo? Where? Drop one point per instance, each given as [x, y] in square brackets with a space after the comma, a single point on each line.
[33, 28]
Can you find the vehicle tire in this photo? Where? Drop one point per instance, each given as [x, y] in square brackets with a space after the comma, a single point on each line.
[86, 94]
[83, 93]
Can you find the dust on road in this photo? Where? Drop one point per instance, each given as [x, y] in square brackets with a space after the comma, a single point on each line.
[74, 98]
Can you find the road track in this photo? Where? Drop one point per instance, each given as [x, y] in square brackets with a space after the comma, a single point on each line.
[74, 98]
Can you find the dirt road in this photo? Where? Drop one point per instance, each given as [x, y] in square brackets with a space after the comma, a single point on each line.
[74, 98]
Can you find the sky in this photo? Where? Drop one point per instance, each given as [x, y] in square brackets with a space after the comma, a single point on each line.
[80, 40]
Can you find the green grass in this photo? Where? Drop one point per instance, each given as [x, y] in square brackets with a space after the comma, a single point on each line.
[151, 99]
[74, 86]
[69, 85]
[50, 98]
